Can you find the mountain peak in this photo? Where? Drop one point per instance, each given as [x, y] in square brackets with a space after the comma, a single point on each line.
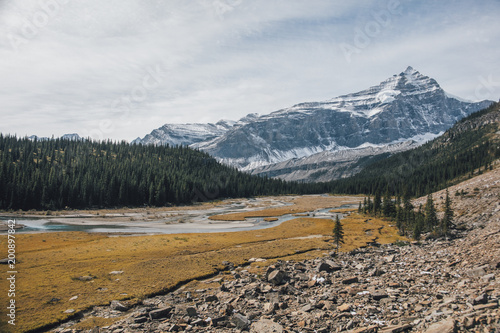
[410, 70]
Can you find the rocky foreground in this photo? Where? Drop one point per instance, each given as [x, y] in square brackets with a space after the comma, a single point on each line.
[439, 286]
[433, 286]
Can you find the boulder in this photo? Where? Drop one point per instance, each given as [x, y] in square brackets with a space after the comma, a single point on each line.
[240, 321]
[266, 326]
[350, 280]
[277, 277]
[160, 313]
[116, 305]
[445, 326]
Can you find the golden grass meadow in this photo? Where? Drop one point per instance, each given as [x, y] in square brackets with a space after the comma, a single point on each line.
[65, 271]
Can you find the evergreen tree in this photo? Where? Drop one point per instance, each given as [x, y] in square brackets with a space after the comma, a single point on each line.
[408, 214]
[377, 203]
[338, 234]
[418, 224]
[447, 220]
[431, 220]
[388, 208]
[369, 205]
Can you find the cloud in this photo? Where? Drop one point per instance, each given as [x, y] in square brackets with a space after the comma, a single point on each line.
[118, 69]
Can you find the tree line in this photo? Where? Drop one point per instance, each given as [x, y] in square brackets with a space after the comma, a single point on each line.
[61, 173]
[411, 222]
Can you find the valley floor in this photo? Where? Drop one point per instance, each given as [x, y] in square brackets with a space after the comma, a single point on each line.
[432, 286]
[64, 275]
[282, 279]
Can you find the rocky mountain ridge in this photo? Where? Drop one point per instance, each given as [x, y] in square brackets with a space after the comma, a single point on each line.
[403, 107]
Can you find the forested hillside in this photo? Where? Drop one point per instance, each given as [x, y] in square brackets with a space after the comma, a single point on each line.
[59, 173]
[471, 144]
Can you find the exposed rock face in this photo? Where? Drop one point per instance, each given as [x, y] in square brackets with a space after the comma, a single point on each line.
[402, 107]
[406, 107]
[328, 165]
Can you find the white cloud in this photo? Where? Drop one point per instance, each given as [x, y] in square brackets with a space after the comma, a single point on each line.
[89, 66]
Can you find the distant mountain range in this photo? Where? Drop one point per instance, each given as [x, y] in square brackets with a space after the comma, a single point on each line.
[72, 136]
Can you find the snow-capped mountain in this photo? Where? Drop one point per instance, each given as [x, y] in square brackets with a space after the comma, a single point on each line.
[185, 134]
[400, 108]
[72, 137]
[189, 134]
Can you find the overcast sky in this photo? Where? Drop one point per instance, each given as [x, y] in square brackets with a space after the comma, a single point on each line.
[121, 68]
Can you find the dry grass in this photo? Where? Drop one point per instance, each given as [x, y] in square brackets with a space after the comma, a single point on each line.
[299, 205]
[50, 264]
[271, 219]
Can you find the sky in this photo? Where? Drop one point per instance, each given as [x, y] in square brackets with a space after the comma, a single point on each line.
[117, 69]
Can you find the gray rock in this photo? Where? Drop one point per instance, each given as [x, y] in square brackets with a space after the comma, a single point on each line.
[307, 308]
[488, 277]
[476, 272]
[379, 295]
[396, 329]
[445, 326]
[191, 311]
[116, 305]
[211, 298]
[266, 326]
[240, 321]
[350, 280]
[160, 313]
[277, 277]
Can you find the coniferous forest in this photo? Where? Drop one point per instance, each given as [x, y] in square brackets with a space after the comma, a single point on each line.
[61, 173]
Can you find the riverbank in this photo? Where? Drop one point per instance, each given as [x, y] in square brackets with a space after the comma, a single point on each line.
[66, 273]
[213, 217]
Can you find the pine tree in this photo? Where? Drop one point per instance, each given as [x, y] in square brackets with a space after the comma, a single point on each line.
[431, 220]
[338, 234]
[369, 205]
[377, 203]
[418, 224]
[408, 214]
[388, 208]
[447, 221]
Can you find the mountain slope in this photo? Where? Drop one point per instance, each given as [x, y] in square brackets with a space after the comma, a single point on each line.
[328, 165]
[471, 144]
[401, 107]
